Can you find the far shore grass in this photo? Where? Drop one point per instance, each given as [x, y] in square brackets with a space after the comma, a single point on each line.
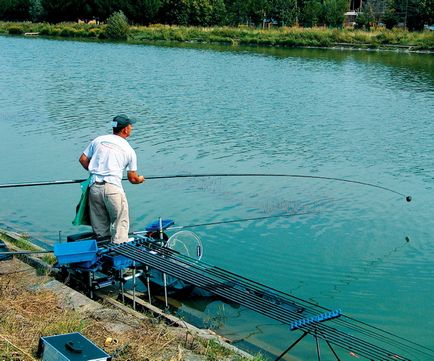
[234, 36]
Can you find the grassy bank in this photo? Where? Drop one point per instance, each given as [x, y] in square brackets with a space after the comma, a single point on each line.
[32, 305]
[281, 37]
[286, 37]
[30, 309]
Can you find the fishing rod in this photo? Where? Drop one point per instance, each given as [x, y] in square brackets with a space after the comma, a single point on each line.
[24, 252]
[207, 175]
[239, 220]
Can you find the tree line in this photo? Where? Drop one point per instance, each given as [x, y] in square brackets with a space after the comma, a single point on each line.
[412, 13]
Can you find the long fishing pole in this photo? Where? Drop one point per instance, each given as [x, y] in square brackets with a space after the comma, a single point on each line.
[42, 183]
[207, 175]
[408, 198]
[24, 252]
[282, 215]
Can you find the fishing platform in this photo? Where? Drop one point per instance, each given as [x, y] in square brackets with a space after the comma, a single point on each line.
[170, 265]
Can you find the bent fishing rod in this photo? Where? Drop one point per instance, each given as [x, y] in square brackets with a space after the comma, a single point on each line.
[209, 175]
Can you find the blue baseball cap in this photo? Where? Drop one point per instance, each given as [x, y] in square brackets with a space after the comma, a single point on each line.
[121, 121]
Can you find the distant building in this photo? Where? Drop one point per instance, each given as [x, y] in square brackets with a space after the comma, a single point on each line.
[350, 18]
[351, 15]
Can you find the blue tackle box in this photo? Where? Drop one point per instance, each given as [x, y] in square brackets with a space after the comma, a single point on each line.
[82, 253]
[70, 347]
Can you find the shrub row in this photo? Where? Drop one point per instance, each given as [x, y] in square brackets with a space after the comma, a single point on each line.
[288, 37]
[69, 30]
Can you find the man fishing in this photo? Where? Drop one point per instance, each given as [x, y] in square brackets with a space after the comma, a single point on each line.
[106, 158]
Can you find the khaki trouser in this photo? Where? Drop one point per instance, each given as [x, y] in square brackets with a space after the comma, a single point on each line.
[109, 212]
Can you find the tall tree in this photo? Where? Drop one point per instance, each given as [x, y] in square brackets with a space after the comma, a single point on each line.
[219, 13]
[15, 10]
[259, 10]
[366, 17]
[248, 11]
[311, 13]
[416, 11]
[142, 11]
[174, 12]
[199, 12]
[286, 12]
[63, 10]
[390, 18]
[376, 8]
[413, 13]
[193, 12]
[237, 11]
[334, 11]
[36, 10]
[429, 12]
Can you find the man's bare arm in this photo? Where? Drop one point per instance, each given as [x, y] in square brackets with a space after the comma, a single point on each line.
[84, 161]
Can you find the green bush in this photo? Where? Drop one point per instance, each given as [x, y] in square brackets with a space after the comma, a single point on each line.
[68, 32]
[117, 26]
[55, 31]
[45, 30]
[390, 18]
[94, 32]
[382, 38]
[15, 30]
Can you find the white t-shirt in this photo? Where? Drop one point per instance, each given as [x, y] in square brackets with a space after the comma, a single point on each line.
[109, 156]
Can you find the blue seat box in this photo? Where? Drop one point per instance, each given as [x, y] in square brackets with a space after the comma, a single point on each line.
[83, 252]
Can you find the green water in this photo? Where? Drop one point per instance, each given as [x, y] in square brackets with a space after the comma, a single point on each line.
[366, 116]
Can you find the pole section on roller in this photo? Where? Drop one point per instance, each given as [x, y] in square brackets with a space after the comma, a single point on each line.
[148, 284]
[318, 350]
[166, 302]
[121, 273]
[134, 285]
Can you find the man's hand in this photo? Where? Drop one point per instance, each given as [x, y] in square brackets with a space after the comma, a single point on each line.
[134, 178]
